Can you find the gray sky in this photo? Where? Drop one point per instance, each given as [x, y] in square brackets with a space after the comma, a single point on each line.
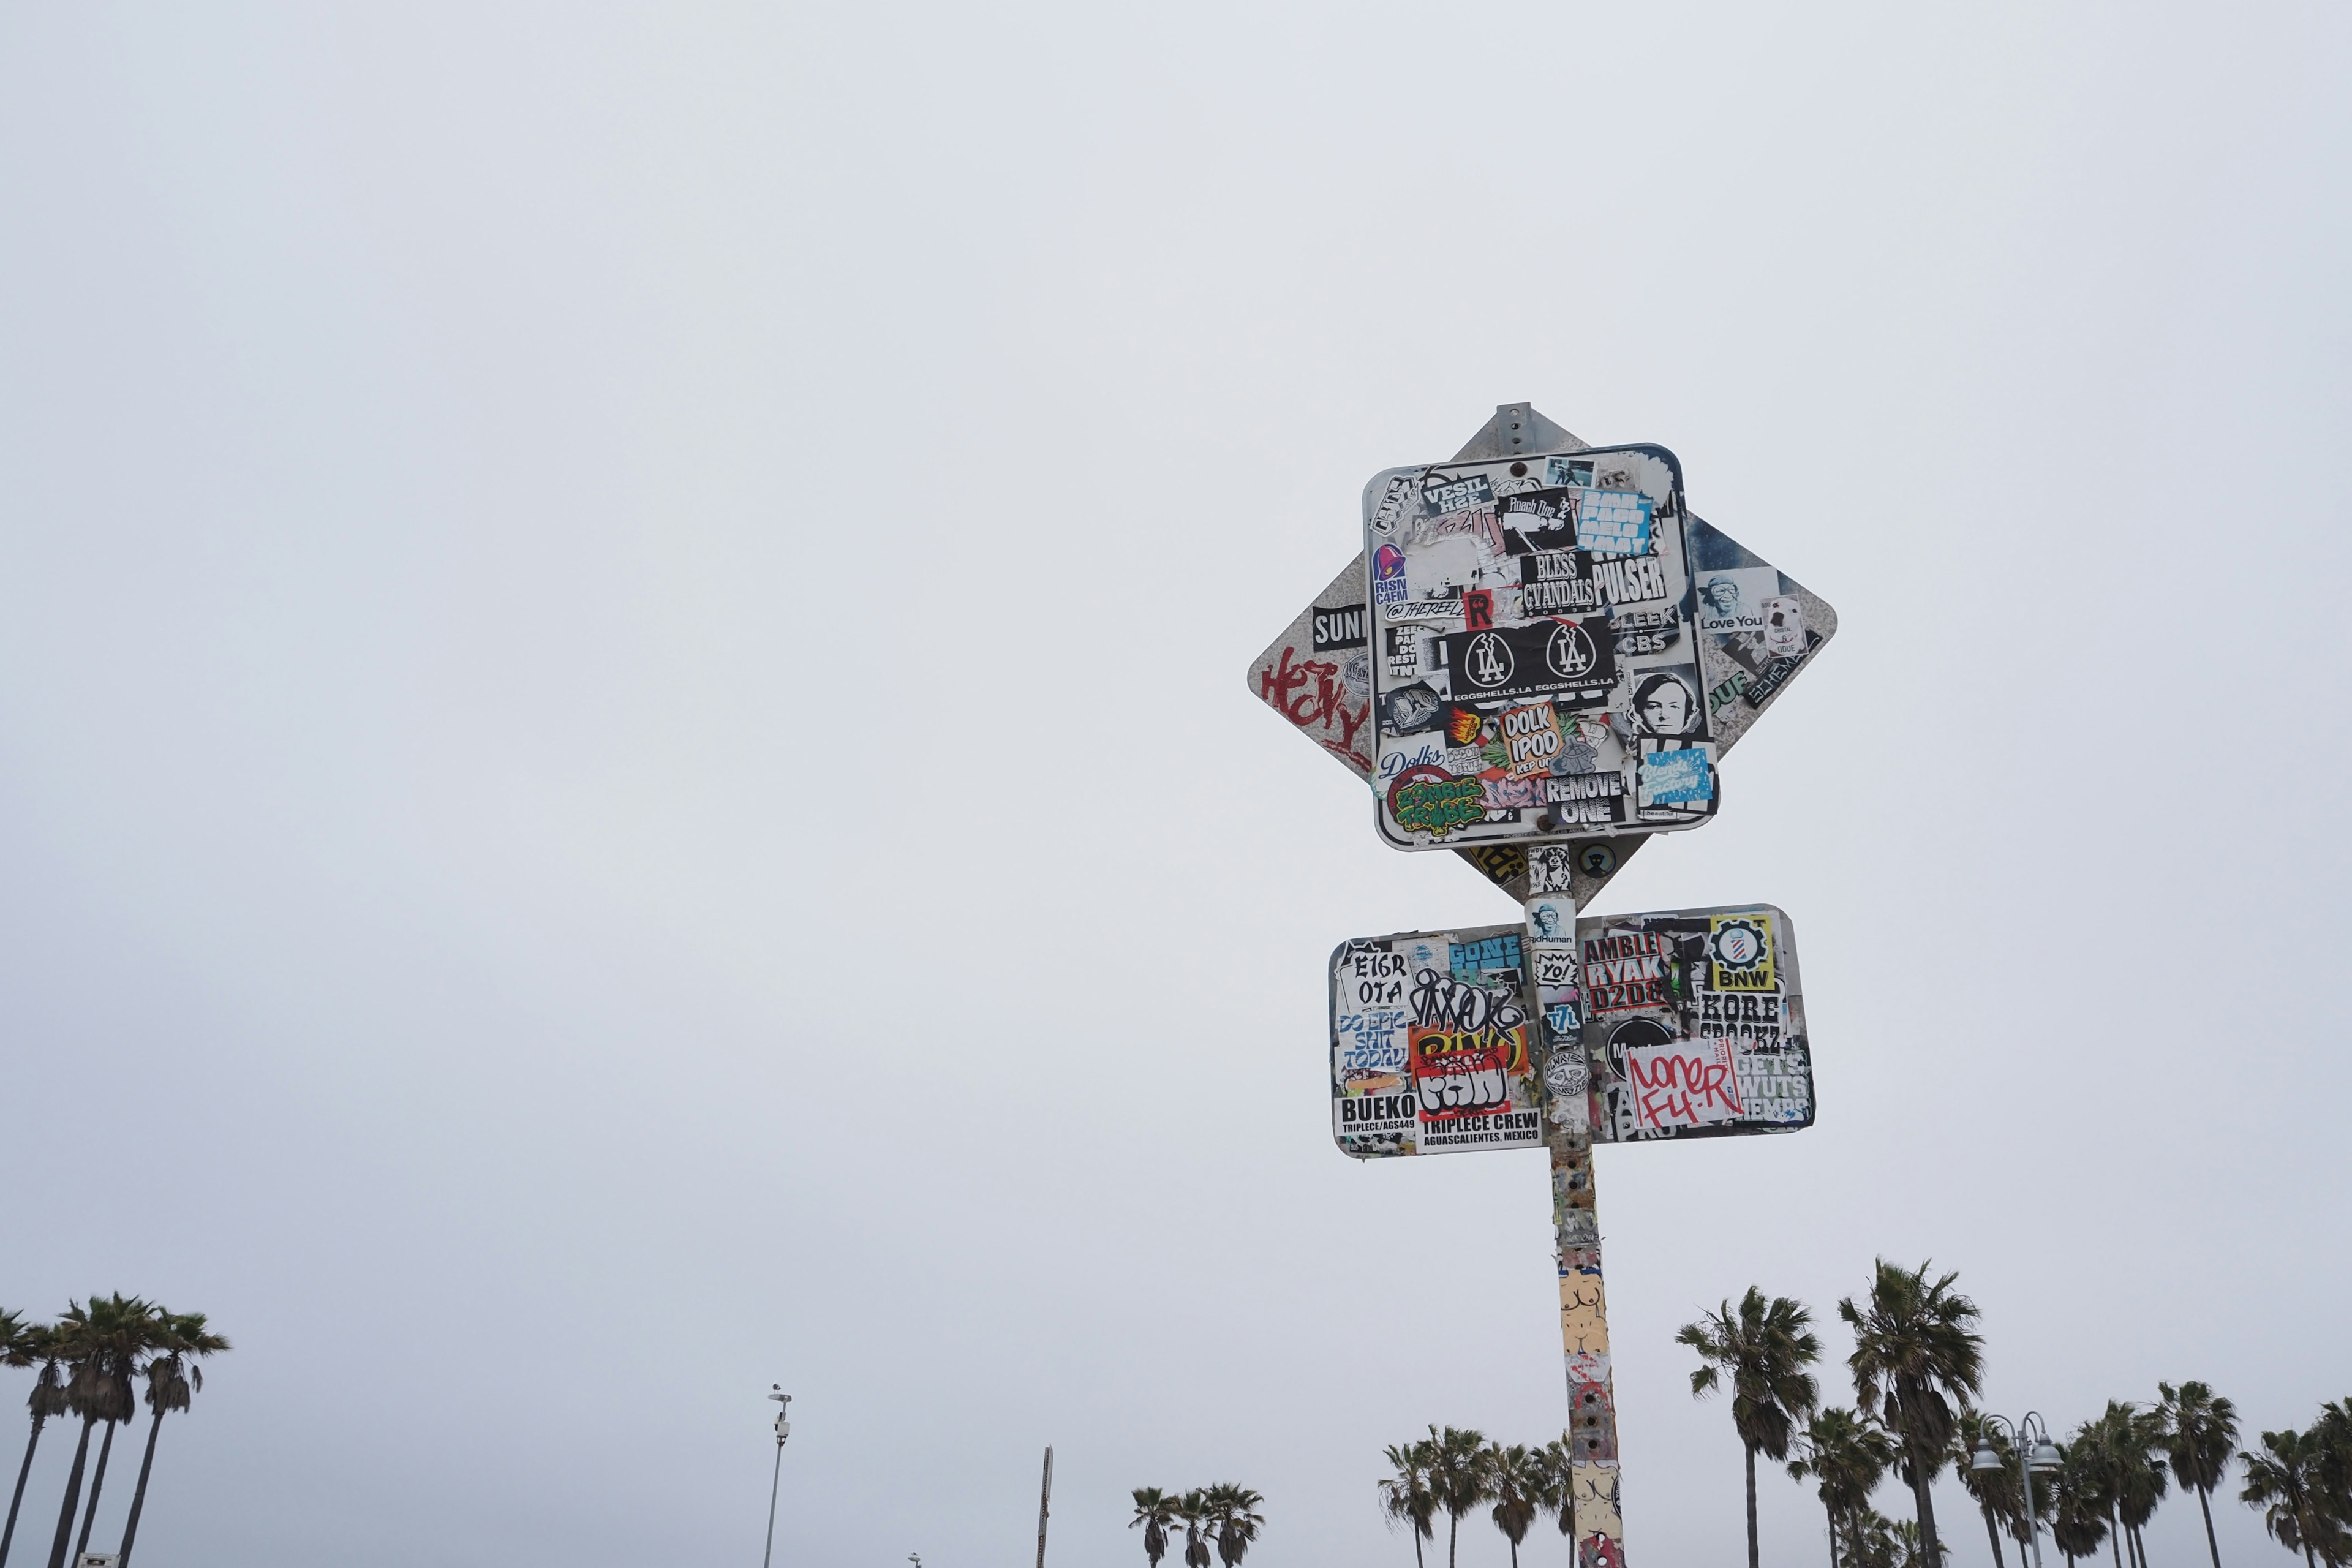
[623, 770]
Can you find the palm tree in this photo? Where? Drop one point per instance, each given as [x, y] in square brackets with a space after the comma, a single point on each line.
[1560, 1497]
[2287, 1482]
[1871, 1541]
[103, 1344]
[2200, 1428]
[1406, 1497]
[1999, 1497]
[1845, 1452]
[1457, 1474]
[2332, 1432]
[1155, 1510]
[24, 1345]
[1764, 1351]
[173, 1382]
[1193, 1508]
[1914, 1351]
[2141, 1475]
[1520, 1482]
[1234, 1519]
[2078, 1504]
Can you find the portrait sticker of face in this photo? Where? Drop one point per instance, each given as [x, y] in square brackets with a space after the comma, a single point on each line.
[1410, 709]
[1784, 627]
[1550, 869]
[1733, 601]
[1665, 705]
[1548, 921]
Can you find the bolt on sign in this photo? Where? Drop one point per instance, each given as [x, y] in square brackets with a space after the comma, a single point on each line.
[1540, 660]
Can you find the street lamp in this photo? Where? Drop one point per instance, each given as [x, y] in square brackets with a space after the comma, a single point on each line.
[2041, 1458]
[783, 1430]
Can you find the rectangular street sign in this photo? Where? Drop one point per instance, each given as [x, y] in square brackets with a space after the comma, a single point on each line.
[1693, 1023]
[1536, 673]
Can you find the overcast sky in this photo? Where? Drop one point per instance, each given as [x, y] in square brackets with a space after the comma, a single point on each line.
[624, 771]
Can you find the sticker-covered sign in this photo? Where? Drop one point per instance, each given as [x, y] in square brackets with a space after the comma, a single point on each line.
[1563, 581]
[1692, 1021]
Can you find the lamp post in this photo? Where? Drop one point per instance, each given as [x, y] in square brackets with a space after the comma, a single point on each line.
[783, 1430]
[2041, 1459]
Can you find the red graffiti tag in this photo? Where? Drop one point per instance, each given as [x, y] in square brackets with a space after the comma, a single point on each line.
[1673, 1090]
[1324, 707]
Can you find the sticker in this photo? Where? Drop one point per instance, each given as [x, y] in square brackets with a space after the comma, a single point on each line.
[1573, 660]
[1625, 970]
[1666, 706]
[1549, 869]
[1614, 522]
[1413, 752]
[1733, 600]
[1540, 520]
[1568, 471]
[1410, 709]
[1333, 630]
[1682, 1083]
[1596, 859]
[1431, 607]
[1557, 581]
[1440, 495]
[1388, 574]
[1739, 948]
[1550, 920]
[1676, 777]
[1478, 609]
[1531, 739]
[1432, 801]
[1630, 579]
[1390, 510]
[1640, 632]
[1583, 800]
[1784, 627]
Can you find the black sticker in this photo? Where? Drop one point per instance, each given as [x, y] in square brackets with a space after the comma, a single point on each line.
[1440, 495]
[1646, 631]
[1571, 660]
[1335, 631]
[1558, 583]
[1539, 520]
[1411, 709]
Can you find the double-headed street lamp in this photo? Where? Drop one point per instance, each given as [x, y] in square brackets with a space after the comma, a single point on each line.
[783, 1430]
[2040, 1459]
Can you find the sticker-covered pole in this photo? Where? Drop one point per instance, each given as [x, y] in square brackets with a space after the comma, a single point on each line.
[1592, 1488]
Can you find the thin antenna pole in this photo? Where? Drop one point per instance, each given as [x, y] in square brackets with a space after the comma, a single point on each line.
[1044, 1504]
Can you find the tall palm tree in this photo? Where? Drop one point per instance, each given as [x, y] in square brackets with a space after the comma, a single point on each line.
[27, 1343]
[1560, 1497]
[1458, 1474]
[1845, 1452]
[2142, 1476]
[2078, 1504]
[2287, 1482]
[1406, 1497]
[173, 1379]
[1914, 1354]
[1520, 1481]
[1155, 1510]
[103, 1344]
[2332, 1432]
[1192, 1510]
[1999, 1495]
[2199, 1430]
[1236, 1521]
[1764, 1351]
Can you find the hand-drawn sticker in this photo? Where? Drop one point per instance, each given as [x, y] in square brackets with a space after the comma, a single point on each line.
[1393, 500]
[1531, 739]
[1335, 629]
[1432, 801]
[1613, 522]
[1388, 574]
[1666, 705]
[1410, 709]
[1732, 600]
[1434, 606]
[1784, 627]
[1739, 948]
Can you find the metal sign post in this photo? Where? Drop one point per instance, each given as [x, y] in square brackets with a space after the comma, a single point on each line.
[1538, 662]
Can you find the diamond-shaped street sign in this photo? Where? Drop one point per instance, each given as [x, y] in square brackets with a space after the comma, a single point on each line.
[1536, 662]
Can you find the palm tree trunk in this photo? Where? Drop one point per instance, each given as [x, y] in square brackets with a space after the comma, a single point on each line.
[97, 1484]
[2114, 1539]
[17, 1500]
[1825, 1507]
[1453, 1533]
[138, 1494]
[1923, 1496]
[1992, 1532]
[2202, 1503]
[1415, 1523]
[73, 1496]
[1752, 1562]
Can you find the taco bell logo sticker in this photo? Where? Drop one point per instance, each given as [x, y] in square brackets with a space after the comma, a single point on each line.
[1388, 575]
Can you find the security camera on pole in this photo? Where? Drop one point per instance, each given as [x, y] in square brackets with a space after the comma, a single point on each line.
[1538, 662]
